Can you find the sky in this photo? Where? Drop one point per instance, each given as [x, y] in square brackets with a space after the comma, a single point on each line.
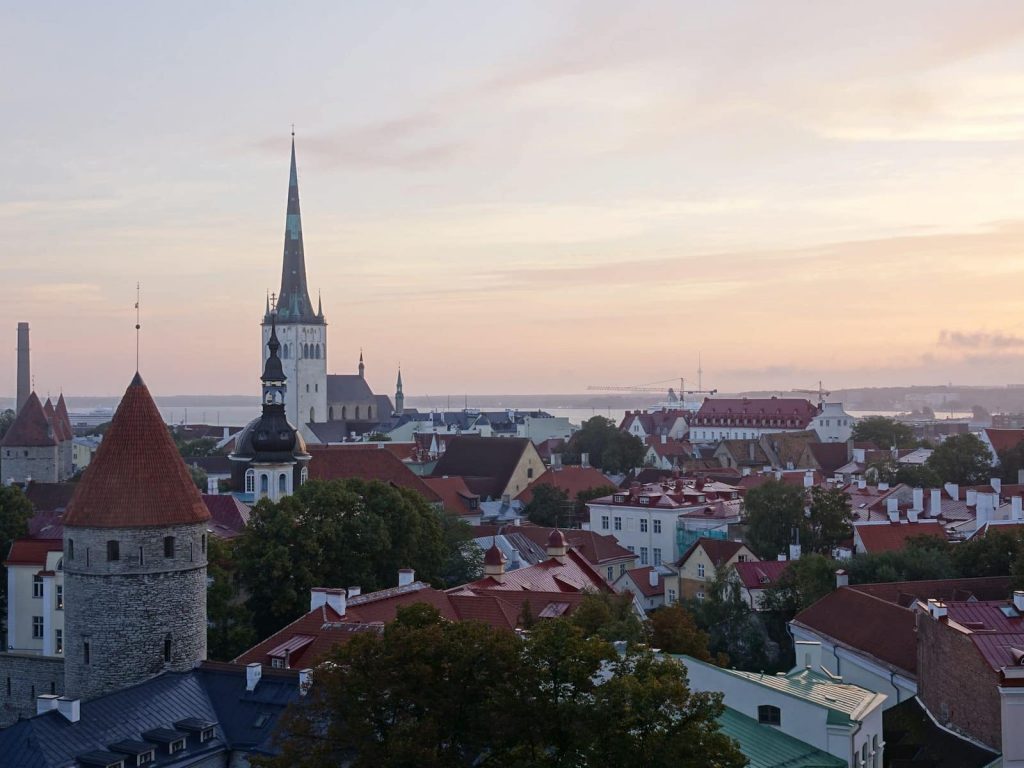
[521, 197]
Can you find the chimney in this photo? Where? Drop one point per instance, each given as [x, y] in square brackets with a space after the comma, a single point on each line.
[750, 450]
[321, 596]
[494, 563]
[935, 508]
[912, 515]
[253, 673]
[972, 497]
[406, 576]
[794, 551]
[808, 478]
[862, 484]
[506, 499]
[584, 459]
[305, 680]
[556, 460]
[1016, 512]
[557, 546]
[46, 703]
[664, 440]
[808, 654]
[745, 472]
[892, 508]
[781, 557]
[918, 500]
[653, 577]
[24, 369]
[842, 578]
[883, 486]
[953, 490]
[1018, 600]
[997, 485]
[212, 488]
[983, 509]
[355, 591]
[858, 455]
[70, 708]
[936, 608]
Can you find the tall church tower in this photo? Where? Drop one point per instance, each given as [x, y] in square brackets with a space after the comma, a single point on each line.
[301, 331]
[134, 558]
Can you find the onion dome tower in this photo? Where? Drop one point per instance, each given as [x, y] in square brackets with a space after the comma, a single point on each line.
[270, 458]
[134, 558]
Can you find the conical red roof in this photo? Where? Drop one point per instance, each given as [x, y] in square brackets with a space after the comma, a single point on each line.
[30, 429]
[137, 477]
[61, 410]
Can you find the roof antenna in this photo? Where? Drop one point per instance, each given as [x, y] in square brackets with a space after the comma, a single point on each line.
[138, 325]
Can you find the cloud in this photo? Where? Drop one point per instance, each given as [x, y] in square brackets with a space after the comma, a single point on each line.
[980, 340]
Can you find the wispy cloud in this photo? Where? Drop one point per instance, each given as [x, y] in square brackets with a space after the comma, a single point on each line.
[980, 340]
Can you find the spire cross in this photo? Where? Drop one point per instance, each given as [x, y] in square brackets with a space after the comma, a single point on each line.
[138, 325]
[273, 302]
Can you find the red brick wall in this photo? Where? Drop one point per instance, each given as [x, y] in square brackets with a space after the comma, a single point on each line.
[955, 683]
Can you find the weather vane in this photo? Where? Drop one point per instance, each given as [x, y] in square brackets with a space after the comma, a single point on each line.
[273, 302]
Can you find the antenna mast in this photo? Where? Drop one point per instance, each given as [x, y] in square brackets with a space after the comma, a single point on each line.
[138, 324]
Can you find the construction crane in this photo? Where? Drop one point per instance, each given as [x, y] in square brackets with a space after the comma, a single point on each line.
[821, 392]
[648, 388]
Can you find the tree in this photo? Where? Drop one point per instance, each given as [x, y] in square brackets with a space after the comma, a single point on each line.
[803, 583]
[590, 494]
[6, 419]
[464, 560]
[962, 459]
[829, 522]
[550, 506]
[609, 616]
[883, 432]
[1011, 461]
[993, 554]
[674, 630]
[15, 511]
[199, 476]
[230, 629]
[432, 693]
[609, 448]
[733, 628]
[917, 476]
[774, 511]
[336, 533]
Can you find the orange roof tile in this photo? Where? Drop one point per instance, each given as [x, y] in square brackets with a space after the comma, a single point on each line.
[31, 428]
[334, 462]
[32, 551]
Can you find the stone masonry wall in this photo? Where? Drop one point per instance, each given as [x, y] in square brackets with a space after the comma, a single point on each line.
[124, 609]
[23, 677]
[39, 463]
[955, 683]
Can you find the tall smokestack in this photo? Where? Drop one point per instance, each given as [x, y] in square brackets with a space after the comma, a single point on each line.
[24, 373]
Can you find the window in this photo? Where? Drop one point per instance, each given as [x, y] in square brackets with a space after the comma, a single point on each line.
[700, 570]
[167, 649]
[37, 586]
[203, 543]
[59, 598]
[618, 523]
[303, 475]
[282, 483]
[671, 596]
[700, 595]
[71, 549]
[611, 573]
[631, 548]
[529, 472]
[645, 499]
[768, 714]
[307, 387]
[58, 640]
[113, 551]
[742, 558]
[264, 485]
[657, 555]
[37, 627]
[312, 417]
[344, 410]
[175, 746]
[87, 557]
[643, 525]
[250, 481]
[276, 662]
[643, 555]
[622, 568]
[191, 551]
[168, 546]
[657, 526]
[142, 556]
[85, 652]
[604, 522]
[357, 411]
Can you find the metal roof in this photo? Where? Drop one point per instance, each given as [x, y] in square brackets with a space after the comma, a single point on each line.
[767, 747]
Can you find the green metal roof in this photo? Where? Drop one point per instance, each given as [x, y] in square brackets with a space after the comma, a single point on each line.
[846, 703]
[767, 747]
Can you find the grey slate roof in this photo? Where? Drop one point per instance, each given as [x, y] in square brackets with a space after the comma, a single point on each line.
[347, 388]
[212, 692]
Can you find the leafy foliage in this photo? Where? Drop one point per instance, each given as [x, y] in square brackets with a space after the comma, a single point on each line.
[609, 448]
[774, 511]
[803, 583]
[829, 522]
[401, 699]
[884, 432]
[962, 459]
[550, 506]
[610, 617]
[15, 511]
[230, 621]
[1011, 461]
[674, 630]
[734, 629]
[6, 419]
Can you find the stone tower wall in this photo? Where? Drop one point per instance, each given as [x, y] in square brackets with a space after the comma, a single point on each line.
[125, 609]
[41, 463]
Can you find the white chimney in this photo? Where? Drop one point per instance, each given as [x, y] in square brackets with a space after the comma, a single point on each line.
[892, 508]
[808, 478]
[355, 591]
[842, 578]
[1018, 600]
[46, 703]
[782, 557]
[745, 472]
[406, 576]
[912, 515]
[918, 500]
[253, 673]
[862, 484]
[584, 459]
[935, 508]
[305, 680]
[858, 455]
[883, 486]
[983, 509]
[556, 460]
[808, 654]
[953, 489]
[997, 484]
[778, 474]
[936, 608]
[212, 488]
[1016, 512]
[972, 497]
[70, 708]
[652, 577]
[664, 439]
[794, 551]
[321, 596]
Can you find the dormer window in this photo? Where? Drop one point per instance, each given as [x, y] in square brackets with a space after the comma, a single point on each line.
[645, 500]
[768, 714]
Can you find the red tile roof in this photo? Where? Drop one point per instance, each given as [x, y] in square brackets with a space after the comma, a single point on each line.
[995, 635]
[597, 548]
[656, 422]
[719, 551]
[572, 480]
[31, 428]
[1004, 439]
[64, 417]
[570, 574]
[641, 578]
[50, 497]
[830, 456]
[334, 462]
[137, 477]
[781, 413]
[228, 515]
[487, 463]
[32, 551]
[454, 493]
[761, 574]
[893, 537]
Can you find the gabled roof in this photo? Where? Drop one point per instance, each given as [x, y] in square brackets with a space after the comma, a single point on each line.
[228, 515]
[332, 462]
[454, 493]
[31, 428]
[32, 551]
[570, 479]
[829, 456]
[349, 388]
[1004, 439]
[641, 579]
[569, 574]
[719, 551]
[50, 497]
[137, 477]
[597, 548]
[893, 537]
[761, 574]
[487, 463]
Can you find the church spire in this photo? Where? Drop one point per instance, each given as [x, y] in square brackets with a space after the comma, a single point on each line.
[293, 304]
[399, 395]
[362, 368]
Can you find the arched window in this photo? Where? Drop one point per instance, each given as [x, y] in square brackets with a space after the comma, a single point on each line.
[369, 411]
[312, 416]
[284, 352]
[317, 351]
[303, 475]
[204, 543]
[168, 546]
[250, 481]
[330, 413]
[344, 410]
[305, 350]
[357, 411]
[282, 483]
[113, 551]
[768, 714]
[71, 549]
[264, 485]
